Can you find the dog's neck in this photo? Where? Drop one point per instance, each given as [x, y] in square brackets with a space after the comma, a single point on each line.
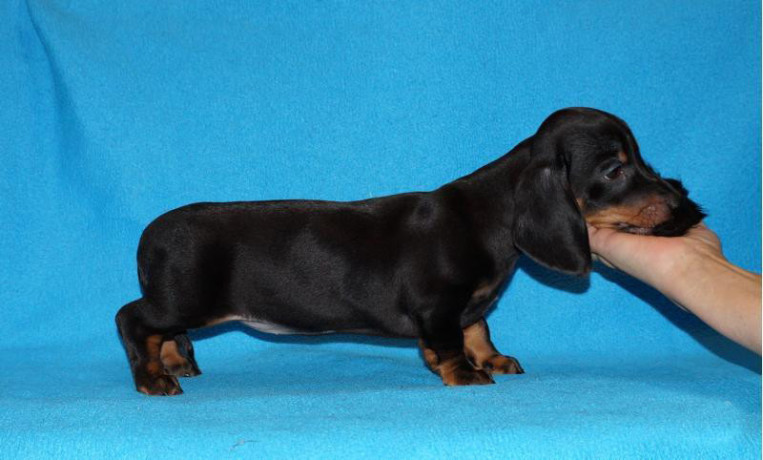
[490, 189]
[486, 199]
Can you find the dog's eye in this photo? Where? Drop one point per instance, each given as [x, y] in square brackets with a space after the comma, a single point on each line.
[614, 173]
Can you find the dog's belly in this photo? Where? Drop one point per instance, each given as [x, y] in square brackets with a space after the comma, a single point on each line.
[271, 327]
[266, 326]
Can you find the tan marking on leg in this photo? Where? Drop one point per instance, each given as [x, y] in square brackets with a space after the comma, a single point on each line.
[477, 345]
[500, 364]
[454, 370]
[170, 355]
[154, 381]
[430, 357]
[458, 371]
[447, 371]
[482, 353]
[153, 347]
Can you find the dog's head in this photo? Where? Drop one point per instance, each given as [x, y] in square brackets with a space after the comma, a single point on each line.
[585, 167]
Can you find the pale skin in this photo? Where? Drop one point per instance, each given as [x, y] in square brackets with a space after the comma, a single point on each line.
[692, 272]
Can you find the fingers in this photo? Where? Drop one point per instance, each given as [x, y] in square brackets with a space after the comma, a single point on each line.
[596, 237]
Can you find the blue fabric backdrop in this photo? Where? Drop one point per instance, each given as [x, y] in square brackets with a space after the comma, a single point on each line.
[114, 112]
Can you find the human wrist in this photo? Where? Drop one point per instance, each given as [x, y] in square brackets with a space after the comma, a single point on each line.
[684, 268]
[689, 272]
[724, 296]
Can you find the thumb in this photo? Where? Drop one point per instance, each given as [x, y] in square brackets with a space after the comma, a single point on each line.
[597, 238]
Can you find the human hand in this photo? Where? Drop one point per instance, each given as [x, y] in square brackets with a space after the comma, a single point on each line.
[655, 260]
[692, 271]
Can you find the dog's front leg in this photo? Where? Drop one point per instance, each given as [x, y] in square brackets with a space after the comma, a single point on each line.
[442, 345]
[481, 352]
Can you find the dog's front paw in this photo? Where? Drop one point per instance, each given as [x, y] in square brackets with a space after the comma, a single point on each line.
[459, 372]
[500, 364]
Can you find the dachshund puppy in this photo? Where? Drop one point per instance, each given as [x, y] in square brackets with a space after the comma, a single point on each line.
[427, 265]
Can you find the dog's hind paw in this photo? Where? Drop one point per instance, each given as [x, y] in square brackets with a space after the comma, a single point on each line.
[164, 385]
[460, 372]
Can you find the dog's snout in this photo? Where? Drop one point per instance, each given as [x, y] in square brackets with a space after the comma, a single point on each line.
[673, 199]
[641, 215]
[656, 211]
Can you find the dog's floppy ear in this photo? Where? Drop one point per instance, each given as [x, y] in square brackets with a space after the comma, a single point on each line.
[548, 225]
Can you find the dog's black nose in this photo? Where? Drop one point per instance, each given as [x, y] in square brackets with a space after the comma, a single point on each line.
[684, 215]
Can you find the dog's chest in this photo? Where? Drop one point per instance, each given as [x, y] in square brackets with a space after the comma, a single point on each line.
[486, 293]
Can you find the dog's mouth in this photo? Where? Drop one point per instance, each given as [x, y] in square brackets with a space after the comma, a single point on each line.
[639, 218]
[628, 228]
[659, 220]
[667, 212]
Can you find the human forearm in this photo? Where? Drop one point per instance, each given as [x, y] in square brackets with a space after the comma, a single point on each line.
[692, 271]
[722, 295]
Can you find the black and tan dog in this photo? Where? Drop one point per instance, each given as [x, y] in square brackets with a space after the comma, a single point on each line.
[426, 265]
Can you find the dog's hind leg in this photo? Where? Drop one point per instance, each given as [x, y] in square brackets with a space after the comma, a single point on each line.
[142, 335]
[177, 357]
[481, 352]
